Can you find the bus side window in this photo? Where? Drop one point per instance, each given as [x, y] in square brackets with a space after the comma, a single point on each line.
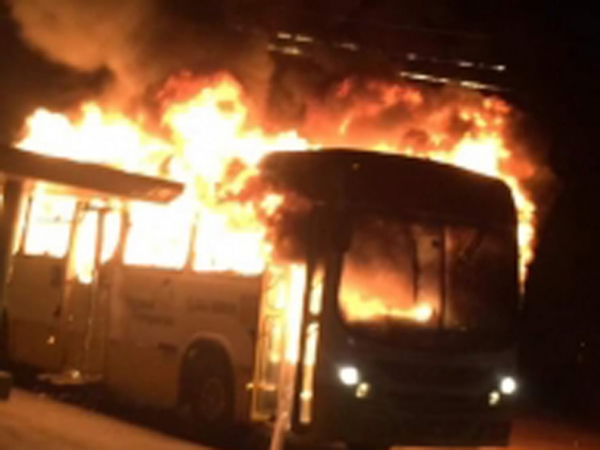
[48, 226]
[154, 239]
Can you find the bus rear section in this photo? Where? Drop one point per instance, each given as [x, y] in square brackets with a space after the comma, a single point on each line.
[100, 303]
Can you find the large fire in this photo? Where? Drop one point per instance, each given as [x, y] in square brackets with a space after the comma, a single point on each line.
[210, 136]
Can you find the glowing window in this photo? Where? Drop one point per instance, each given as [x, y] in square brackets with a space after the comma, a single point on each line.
[159, 235]
[49, 225]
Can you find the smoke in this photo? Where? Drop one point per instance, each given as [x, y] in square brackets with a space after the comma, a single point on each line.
[85, 35]
[141, 42]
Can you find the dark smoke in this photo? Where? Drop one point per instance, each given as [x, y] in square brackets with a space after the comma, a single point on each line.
[141, 42]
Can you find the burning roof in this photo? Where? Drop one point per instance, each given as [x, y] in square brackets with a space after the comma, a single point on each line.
[210, 135]
[86, 179]
[201, 104]
[393, 183]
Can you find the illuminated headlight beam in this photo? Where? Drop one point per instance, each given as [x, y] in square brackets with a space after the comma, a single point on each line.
[349, 375]
[508, 385]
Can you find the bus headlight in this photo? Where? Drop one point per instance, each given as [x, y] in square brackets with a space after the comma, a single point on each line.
[494, 398]
[349, 375]
[508, 385]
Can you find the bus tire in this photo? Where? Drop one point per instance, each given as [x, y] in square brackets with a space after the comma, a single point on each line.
[211, 395]
[363, 446]
[4, 343]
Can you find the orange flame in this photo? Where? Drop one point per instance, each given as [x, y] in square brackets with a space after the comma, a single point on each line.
[210, 137]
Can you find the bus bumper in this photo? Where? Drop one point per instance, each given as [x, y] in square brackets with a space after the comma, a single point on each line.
[434, 420]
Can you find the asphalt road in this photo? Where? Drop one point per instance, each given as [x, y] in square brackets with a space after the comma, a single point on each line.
[35, 421]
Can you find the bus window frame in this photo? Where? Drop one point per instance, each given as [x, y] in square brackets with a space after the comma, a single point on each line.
[121, 249]
[335, 264]
[26, 223]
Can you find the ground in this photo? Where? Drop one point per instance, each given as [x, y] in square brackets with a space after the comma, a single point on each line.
[30, 421]
[34, 421]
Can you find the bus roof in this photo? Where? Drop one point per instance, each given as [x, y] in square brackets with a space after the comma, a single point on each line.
[85, 178]
[379, 181]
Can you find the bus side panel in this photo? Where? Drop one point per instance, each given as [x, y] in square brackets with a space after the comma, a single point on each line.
[224, 309]
[157, 314]
[34, 309]
[142, 354]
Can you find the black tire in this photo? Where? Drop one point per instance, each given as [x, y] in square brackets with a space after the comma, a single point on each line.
[363, 446]
[4, 351]
[211, 396]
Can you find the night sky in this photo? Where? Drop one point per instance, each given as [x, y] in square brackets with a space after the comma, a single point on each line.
[553, 55]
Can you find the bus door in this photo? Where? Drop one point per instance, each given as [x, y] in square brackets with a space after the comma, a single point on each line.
[36, 285]
[85, 310]
[277, 348]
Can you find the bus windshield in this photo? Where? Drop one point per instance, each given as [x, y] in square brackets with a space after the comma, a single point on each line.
[411, 275]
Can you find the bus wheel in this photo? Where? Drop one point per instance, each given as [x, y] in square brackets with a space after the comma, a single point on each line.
[211, 399]
[4, 353]
[362, 446]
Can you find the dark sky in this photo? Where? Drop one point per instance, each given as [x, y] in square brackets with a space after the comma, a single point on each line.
[28, 80]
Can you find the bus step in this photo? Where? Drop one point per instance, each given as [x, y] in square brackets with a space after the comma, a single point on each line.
[70, 378]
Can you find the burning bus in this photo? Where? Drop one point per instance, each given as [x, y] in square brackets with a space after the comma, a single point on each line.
[363, 296]
[384, 316]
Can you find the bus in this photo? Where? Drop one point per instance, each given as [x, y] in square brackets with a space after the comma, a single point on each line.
[386, 315]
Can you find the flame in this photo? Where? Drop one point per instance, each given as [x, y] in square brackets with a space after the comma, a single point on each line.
[210, 136]
[359, 308]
